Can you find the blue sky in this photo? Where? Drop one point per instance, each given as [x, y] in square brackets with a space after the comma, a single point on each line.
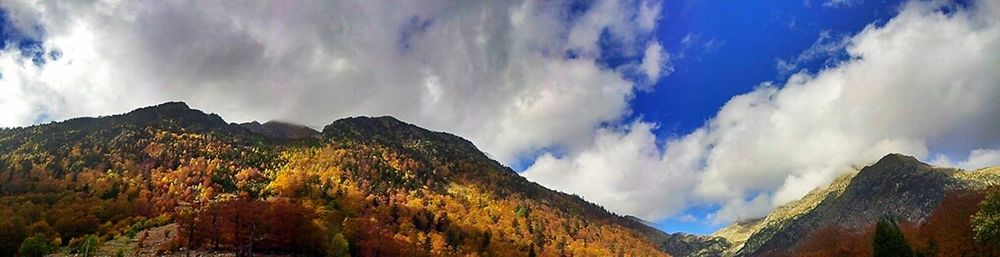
[649, 108]
[726, 48]
[720, 49]
[735, 46]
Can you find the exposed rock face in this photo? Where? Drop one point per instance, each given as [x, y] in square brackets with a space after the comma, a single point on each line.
[897, 185]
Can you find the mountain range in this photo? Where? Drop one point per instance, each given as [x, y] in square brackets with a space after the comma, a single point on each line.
[382, 186]
[168, 179]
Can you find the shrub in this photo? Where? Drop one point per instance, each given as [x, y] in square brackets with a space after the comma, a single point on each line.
[36, 246]
[88, 244]
[339, 246]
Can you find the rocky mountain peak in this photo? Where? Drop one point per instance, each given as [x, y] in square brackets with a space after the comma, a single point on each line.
[896, 185]
[895, 162]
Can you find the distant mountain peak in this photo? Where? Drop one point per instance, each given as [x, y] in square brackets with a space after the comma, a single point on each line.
[380, 122]
[391, 131]
[897, 159]
[280, 130]
[896, 185]
[175, 113]
[173, 105]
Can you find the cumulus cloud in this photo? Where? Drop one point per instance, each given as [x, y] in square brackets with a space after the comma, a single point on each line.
[625, 171]
[924, 82]
[978, 158]
[513, 76]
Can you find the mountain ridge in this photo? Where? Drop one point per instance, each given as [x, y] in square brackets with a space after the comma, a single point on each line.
[677, 244]
[896, 185]
[168, 156]
[382, 172]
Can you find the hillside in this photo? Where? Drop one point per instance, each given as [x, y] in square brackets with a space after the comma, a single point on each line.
[363, 186]
[739, 232]
[897, 186]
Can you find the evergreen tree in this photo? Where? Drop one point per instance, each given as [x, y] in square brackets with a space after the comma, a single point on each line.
[486, 241]
[889, 240]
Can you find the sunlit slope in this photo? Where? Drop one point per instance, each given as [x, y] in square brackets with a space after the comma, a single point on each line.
[367, 186]
[896, 185]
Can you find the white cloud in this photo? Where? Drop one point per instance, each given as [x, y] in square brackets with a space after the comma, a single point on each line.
[656, 62]
[649, 13]
[736, 209]
[925, 81]
[978, 158]
[491, 71]
[826, 46]
[625, 171]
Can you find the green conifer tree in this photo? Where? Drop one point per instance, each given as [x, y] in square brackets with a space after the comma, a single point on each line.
[889, 240]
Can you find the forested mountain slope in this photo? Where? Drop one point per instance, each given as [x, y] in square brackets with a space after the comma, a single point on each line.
[363, 186]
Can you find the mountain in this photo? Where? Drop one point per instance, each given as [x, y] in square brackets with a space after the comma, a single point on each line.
[169, 178]
[896, 186]
[277, 130]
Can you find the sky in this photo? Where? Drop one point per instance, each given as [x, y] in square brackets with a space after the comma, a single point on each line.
[689, 114]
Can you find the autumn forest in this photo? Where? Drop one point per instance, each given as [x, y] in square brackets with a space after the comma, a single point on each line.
[170, 180]
[365, 187]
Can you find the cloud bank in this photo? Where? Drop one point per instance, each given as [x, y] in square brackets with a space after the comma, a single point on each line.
[515, 77]
[925, 82]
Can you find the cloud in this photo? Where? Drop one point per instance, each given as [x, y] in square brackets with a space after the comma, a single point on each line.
[923, 83]
[513, 76]
[827, 47]
[656, 62]
[625, 171]
[840, 3]
[694, 44]
[978, 158]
